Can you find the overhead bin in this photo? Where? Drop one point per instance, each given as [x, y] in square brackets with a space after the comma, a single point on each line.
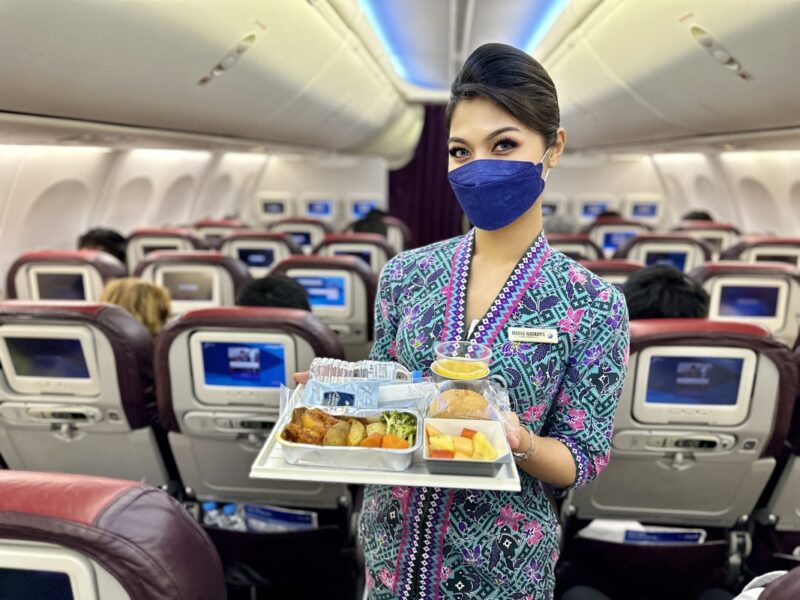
[281, 71]
[641, 72]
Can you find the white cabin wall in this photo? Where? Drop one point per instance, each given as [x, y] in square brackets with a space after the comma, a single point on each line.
[228, 185]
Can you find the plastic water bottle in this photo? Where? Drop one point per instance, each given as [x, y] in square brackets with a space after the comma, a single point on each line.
[231, 519]
[211, 514]
[331, 370]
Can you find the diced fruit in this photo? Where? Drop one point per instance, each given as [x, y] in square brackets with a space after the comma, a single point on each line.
[431, 430]
[482, 448]
[463, 445]
[393, 442]
[441, 453]
[468, 433]
[441, 442]
[462, 456]
[372, 441]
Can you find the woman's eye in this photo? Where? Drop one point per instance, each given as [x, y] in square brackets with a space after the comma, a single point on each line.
[504, 145]
[458, 152]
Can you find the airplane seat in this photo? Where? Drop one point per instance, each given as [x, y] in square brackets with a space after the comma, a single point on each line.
[615, 271]
[341, 290]
[62, 275]
[398, 233]
[260, 250]
[373, 249]
[219, 410]
[214, 230]
[77, 392]
[679, 250]
[198, 279]
[764, 293]
[701, 422]
[142, 242]
[717, 235]
[577, 246]
[755, 249]
[306, 232]
[609, 233]
[93, 538]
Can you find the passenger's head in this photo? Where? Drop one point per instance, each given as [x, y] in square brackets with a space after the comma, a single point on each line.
[697, 215]
[372, 223]
[149, 303]
[274, 290]
[106, 240]
[503, 105]
[663, 292]
[560, 224]
[608, 214]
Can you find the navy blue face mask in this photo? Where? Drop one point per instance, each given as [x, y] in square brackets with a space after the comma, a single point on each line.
[495, 193]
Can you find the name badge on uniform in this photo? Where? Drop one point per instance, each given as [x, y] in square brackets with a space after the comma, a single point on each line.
[533, 335]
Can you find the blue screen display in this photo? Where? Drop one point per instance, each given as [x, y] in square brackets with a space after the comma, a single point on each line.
[60, 286]
[548, 208]
[257, 257]
[675, 259]
[362, 207]
[324, 291]
[42, 357]
[24, 584]
[239, 364]
[648, 210]
[614, 239]
[319, 208]
[364, 255]
[301, 238]
[273, 208]
[592, 209]
[743, 301]
[695, 380]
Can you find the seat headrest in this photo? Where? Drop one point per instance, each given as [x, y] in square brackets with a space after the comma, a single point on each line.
[179, 232]
[233, 223]
[709, 225]
[108, 266]
[140, 535]
[614, 265]
[301, 221]
[759, 240]
[295, 322]
[646, 328]
[235, 268]
[671, 238]
[373, 239]
[265, 235]
[738, 269]
[611, 220]
[130, 341]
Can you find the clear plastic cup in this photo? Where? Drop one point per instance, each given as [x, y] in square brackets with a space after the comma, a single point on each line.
[461, 360]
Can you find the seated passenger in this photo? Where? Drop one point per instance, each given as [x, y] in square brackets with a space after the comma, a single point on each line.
[560, 224]
[372, 223]
[149, 303]
[697, 215]
[663, 292]
[274, 290]
[106, 240]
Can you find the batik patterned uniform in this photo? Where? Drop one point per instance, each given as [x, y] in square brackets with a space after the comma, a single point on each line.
[456, 544]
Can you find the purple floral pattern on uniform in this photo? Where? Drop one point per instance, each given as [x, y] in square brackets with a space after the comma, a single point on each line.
[509, 518]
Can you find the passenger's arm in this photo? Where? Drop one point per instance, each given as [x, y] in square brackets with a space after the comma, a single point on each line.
[577, 440]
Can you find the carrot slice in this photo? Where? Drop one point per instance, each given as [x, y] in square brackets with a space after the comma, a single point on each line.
[372, 441]
[393, 442]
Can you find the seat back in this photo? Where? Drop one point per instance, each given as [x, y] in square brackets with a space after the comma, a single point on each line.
[76, 391]
[765, 249]
[676, 249]
[588, 207]
[155, 239]
[767, 294]
[718, 236]
[270, 207]
[575, 245]
[214, 230]
[372, 249]
[398, 234]
[703, 414]
[615, 271]
[645, 208]
[306, 233]
[62, 275]
[196, 279]
[341, 290]
[219, 373]
[611, 233]
[92, 538]
[260, 250]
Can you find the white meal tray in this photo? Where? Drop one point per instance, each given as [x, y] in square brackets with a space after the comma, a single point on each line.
[270, 464]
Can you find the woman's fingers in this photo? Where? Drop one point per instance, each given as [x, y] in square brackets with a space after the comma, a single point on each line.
[301, 378]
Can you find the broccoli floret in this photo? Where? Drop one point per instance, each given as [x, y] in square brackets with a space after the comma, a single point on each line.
[403, 425]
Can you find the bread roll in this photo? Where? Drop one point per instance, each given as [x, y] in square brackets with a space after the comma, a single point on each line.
[461, 404]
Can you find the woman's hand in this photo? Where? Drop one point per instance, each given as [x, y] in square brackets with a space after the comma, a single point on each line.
[301, 378]
[514, 431]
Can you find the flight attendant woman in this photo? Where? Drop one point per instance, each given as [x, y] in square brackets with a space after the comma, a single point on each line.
[434, 543]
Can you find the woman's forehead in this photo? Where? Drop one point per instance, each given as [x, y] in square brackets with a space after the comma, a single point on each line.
[481, 116]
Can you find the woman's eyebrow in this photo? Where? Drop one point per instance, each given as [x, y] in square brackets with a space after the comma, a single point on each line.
[457, 139]
[499, 131]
